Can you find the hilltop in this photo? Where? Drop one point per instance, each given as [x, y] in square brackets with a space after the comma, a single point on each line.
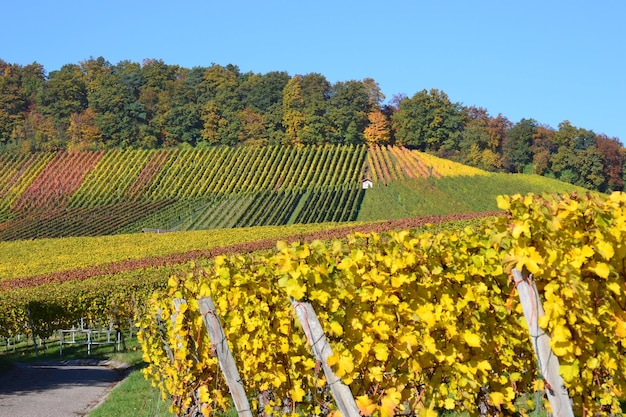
[96, 105]
[91, 193]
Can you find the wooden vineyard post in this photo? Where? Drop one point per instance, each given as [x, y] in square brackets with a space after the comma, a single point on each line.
[322, 350]
[224, 356]
[548, 362]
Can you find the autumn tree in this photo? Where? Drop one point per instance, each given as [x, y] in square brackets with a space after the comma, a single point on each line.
[481, 140]
[378, 130]
[212, 123]
[542, 148]
[252, 128]
[39, 133]
[83, 133]
[613, 162]
[293, 111]
[12, 100]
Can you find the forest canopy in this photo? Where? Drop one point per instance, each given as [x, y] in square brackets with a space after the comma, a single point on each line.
[96, 105]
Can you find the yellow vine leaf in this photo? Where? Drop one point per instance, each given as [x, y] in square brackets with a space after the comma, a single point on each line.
[504, 202]
[336, 328]
[449, 404]
[365, 405]
[614, 287]
[472, 339]
[381, 351]
[343, 362]
[602, 270]
[592, 363]
[528, 257]
[390, 401]
[620, 330]
[520, 229]
[426, 315]
[297, 393]
[427, 412]
[496, 398]
[569, 372]
[605, 249]
[292, 287]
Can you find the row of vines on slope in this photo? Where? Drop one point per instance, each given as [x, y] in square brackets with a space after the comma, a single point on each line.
[393, 163]
[57, 187]
[417, 322]
[95, 292]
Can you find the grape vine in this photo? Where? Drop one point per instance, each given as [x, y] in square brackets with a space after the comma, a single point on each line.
[419, 322]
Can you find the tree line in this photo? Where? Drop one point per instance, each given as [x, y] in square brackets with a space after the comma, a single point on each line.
[98, 105]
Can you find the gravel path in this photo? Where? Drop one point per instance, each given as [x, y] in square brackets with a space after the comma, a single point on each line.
[57, 389]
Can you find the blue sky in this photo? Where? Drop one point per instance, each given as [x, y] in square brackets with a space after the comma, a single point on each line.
[547, 60]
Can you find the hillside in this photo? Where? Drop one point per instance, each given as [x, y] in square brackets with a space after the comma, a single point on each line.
[88, 193]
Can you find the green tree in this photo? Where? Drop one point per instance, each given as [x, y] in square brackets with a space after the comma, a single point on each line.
[305, 107]
[429, 121]
[581, 167]
[573, 137]
[591, 169]
[182, 120]
[262, 94]
[33, 77]
[114, 97]
[220, 86]
[348, 108]
[517, 149]
[374, 94]
[64, 94]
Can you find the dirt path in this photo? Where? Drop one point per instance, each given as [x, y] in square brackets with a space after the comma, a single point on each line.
[56, 389]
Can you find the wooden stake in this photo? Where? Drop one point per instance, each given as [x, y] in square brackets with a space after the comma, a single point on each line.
[322, 350]
[548, 362]
[224, 356]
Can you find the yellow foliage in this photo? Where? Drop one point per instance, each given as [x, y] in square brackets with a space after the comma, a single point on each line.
[422, 321]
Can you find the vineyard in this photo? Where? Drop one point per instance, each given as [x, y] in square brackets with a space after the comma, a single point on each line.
[418, 323]
[56, 282]
[124, 191]
[50, 195]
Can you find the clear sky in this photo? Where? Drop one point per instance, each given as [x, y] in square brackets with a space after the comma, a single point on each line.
[550, 60]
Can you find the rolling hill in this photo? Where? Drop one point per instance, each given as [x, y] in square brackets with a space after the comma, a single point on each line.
[49, 195]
